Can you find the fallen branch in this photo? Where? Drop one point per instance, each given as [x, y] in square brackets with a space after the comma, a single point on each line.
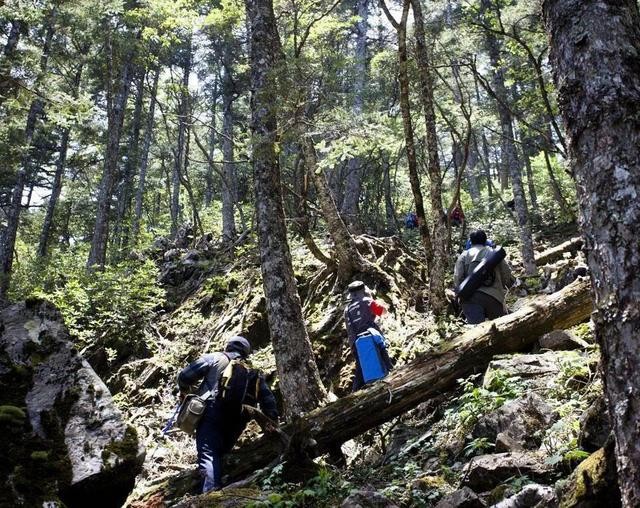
[555, 253]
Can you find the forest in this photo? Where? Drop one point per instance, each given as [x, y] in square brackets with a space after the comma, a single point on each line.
[179, 174]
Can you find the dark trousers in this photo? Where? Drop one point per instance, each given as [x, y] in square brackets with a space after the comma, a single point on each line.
[210, 443]
[481, 306]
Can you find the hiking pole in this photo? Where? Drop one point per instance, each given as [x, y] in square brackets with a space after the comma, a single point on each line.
[171, 422]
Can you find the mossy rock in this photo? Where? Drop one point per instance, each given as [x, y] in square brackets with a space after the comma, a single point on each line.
[593, 483]
[226, 498]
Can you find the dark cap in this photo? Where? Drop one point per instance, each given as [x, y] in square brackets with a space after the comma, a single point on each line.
[356, 285]
[238, 344]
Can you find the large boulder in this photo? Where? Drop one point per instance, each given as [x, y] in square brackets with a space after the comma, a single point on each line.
[462, 498]
[518, 425]
[487, 471]
[594, 483]
[559, 340]
[63, 438]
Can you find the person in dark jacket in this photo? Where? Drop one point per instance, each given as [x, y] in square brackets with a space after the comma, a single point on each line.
[217, 432]
[360, 315]
[488, 300]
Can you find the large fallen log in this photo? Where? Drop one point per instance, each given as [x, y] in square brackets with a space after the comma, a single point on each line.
[555, 253]
[418, 381]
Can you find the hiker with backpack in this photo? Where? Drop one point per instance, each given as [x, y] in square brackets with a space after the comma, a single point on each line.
[226, 383]
[360, 319]
[486, 300]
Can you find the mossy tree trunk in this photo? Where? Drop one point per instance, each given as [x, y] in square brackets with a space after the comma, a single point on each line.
[440, 237]
[299, 377]
[595, 53]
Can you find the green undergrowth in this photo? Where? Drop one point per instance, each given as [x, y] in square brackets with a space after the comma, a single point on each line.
[327, 488]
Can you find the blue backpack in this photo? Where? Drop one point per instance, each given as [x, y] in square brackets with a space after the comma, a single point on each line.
[372, 355]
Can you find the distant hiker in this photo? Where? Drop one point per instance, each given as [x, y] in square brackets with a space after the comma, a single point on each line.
[411, 220]
[457, 216]
[360, 320]
[229, 384]
[487, 301]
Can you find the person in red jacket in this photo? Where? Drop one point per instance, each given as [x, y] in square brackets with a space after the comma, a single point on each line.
[360, 315]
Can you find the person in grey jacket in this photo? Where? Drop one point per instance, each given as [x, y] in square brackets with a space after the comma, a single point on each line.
[488, 300]
[218, 431]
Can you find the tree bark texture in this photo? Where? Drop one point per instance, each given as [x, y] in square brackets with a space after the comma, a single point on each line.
[229, 193]
[353, 184]
[299, 377]
[144, 157]
[410, 385]
[439, 237]
[116, 108]
[595, 53]
[10, 234]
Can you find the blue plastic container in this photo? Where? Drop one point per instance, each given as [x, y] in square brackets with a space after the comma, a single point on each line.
[368, 346]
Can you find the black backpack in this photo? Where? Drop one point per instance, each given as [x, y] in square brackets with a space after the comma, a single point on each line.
[233, 385]
[481, 272]
[488, 274]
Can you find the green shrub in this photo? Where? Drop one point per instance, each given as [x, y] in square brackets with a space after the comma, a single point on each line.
[107, 309]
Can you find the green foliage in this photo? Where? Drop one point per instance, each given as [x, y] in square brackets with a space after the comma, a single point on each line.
[477, 446]
[477, 400]
[325, 489]
[103, 309]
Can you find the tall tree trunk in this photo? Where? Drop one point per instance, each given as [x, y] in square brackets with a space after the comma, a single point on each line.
[510, 159]
[472, 177]
[121, 235]
[533, 196]
[595, 52]
[299, 377]
[390, 212]
[8, 239]
[353, 184]
[179, 152]
[117, 96]
[208, 191]
[439, 238]
[56, 187]
[8, 56]
[229, 232]
[144, 157]
[403, 80]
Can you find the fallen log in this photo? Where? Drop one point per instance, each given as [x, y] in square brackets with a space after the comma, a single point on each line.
[555, 253]
[414, 383]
